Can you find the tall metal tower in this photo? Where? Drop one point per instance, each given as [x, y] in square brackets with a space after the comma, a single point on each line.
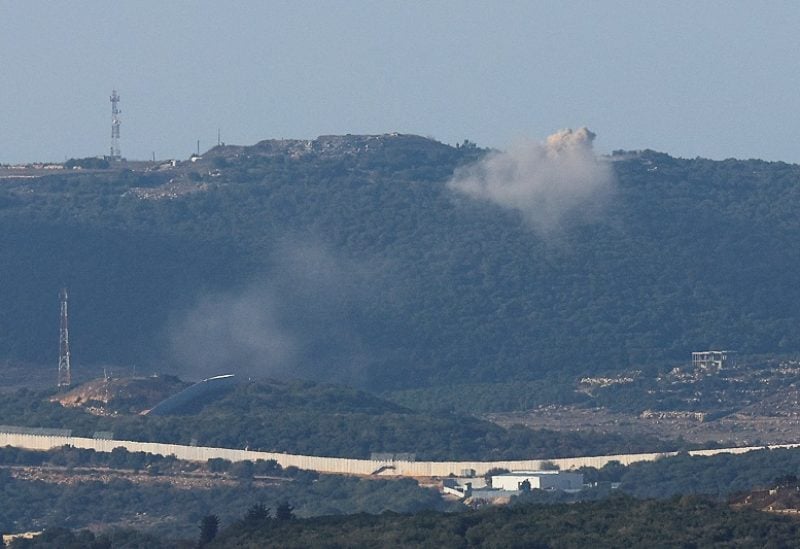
[115, 124]
[64, 375]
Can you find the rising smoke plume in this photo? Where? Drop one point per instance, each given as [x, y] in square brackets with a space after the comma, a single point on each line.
[296, 319]
[550, 183]
[232, 333]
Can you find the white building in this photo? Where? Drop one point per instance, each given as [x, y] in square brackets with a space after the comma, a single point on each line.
[542, 480]
[462, 486]
[713, 361]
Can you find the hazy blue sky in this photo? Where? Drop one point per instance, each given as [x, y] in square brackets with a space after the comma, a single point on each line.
[695, 78]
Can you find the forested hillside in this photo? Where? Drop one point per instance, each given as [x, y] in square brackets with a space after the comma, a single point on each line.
[616, 522]
[351, 259]
[314, 419]
[125, 488]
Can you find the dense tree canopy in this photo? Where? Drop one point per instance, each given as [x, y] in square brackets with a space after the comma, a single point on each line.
[416, 284]
[616, 522]
[310, 418]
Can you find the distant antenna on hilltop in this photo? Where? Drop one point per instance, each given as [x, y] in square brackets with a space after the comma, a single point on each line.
[64, 374]
[115, 124]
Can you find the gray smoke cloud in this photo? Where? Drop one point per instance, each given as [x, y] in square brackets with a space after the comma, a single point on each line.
[295, 320]
[550, 183]
[233, 333]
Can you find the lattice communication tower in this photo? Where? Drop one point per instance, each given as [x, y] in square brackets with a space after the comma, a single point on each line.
[64, 374]
[115, 124]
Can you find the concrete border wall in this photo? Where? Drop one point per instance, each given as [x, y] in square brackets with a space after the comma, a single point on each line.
[346, 466]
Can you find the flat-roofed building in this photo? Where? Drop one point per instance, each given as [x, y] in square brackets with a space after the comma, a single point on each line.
[713, 361]
[542, 480]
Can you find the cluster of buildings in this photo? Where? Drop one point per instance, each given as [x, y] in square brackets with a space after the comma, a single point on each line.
[499, 488]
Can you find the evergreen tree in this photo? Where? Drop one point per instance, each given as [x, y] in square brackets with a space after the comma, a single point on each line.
[258, 512]
[284, 511]
[208, 528]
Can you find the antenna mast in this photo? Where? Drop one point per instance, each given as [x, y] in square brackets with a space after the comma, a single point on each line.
[64, 375]
[115, 124]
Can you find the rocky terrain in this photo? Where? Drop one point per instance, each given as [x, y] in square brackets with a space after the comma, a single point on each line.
[128, 394]
[755, 402]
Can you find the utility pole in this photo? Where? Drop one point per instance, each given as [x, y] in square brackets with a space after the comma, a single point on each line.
[64, 374]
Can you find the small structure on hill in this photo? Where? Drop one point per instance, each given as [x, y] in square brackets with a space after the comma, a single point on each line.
[713, 361]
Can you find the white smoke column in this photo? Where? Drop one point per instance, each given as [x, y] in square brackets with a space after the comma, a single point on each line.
[548, 183]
